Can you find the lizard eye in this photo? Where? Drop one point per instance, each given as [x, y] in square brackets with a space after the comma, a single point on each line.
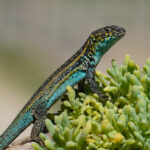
[107, 30]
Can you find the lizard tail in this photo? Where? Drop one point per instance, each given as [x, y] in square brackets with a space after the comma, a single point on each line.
[20, 123]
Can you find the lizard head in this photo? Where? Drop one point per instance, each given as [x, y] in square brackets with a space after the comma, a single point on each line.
[102, 39]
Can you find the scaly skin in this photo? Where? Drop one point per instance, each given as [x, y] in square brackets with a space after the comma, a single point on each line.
[80, 66]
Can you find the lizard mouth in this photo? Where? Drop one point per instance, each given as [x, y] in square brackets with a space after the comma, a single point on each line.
[118, 31]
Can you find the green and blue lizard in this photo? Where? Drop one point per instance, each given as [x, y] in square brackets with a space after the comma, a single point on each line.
[79, 67]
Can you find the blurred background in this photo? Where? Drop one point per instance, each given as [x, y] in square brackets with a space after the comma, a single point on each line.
[36, 37]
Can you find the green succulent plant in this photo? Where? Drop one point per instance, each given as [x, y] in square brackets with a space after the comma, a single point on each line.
[122, 122]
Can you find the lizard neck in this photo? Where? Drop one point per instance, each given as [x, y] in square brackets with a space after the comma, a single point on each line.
[99, 51]
[97, 56]
[95, 52]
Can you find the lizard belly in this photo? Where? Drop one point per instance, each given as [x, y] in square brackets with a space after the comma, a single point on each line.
[71, 81]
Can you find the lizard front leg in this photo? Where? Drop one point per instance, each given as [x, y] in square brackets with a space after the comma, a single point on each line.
[40, 113]
[81, 85]
[92, 83]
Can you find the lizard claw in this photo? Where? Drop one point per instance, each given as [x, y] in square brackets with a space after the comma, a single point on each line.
[103, 96]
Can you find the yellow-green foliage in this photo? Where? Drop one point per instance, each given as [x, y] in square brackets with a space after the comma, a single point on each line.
[85, 122]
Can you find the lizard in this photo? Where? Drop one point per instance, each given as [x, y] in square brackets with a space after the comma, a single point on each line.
[79, 67]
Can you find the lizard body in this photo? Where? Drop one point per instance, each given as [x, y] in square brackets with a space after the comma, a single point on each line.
[80, 66]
